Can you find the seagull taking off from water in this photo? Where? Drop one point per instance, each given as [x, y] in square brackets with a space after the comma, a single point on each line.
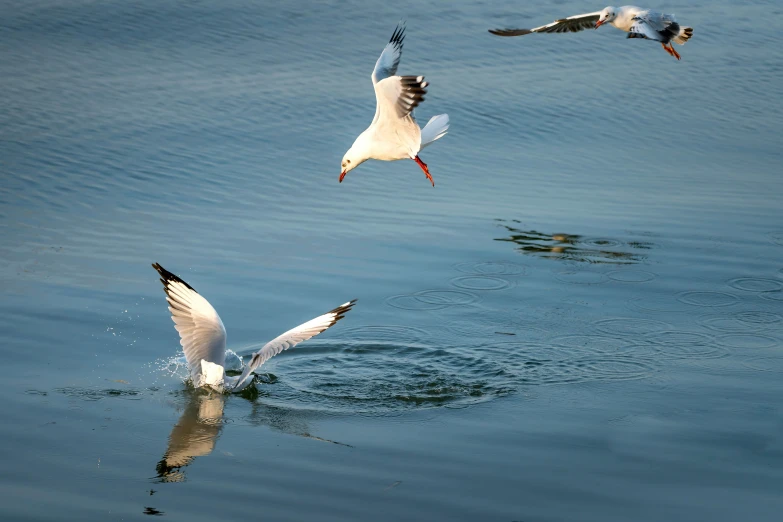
[394, 133]
[203, 336]
[637, 22]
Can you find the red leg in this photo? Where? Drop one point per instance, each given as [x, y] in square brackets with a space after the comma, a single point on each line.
[425, 169]
[673, 52]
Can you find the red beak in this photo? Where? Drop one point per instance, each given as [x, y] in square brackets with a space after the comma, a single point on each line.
[342, 175]
[598, 24]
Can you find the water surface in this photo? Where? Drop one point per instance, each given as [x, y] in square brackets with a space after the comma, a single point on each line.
[583, 320]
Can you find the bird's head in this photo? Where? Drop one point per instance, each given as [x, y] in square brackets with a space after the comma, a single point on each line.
[353, 158]
[608, 14]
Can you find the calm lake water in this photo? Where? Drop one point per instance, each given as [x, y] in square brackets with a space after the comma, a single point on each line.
[583, 320]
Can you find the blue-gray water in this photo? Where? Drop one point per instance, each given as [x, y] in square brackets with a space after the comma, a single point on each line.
[583, 320]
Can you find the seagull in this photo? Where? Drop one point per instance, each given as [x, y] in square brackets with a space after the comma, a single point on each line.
[203, 336]
[637, 22]
[394, 133]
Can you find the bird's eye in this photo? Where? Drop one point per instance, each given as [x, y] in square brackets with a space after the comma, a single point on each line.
[348, 161]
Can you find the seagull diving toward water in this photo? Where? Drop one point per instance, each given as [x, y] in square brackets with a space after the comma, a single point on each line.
[203, 336]
[394, 133]
[637, 22]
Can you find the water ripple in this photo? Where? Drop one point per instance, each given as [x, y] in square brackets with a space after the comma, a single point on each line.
[631, 276]
[484, 283]
[492, 268]
[747, 341]
[765, 364]
[631, 326]
[755, 284]
[708, 299]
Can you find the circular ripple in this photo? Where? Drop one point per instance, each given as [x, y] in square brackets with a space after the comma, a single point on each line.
[447, 297]
[755, 284]
[480, 283]
[581, 277]
[680, 338]
[389, 379]
[686, 345]
[615, 368]
[412, 302]
[776, 295]
[581, 344]
[486, 323]
[601, 242]
[765, 364]
[747, 341]
[631, 276]
[759, 317]
[491, 268]
[535, 364]
[658, 304]
[724, 323]
[709, 299]
[384, 334]
[631, 326]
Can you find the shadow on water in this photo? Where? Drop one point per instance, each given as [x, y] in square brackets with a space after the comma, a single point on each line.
[574, 247]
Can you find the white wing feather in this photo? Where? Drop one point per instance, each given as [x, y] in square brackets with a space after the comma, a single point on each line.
[293, 337]
[202, 334]
[397, 96]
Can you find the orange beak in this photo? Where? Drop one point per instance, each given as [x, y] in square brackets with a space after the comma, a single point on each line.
[342, 175]
[598, 24]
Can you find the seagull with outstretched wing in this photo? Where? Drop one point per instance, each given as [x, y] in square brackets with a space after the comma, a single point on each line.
[637, 22]
[203, 336]
[394, 133]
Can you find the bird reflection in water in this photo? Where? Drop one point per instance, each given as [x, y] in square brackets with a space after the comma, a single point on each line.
[194, 435]
[201, 422]
[574, 247]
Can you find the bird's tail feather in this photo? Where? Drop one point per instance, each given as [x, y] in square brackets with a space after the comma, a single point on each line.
[435, 128]
[684, 35]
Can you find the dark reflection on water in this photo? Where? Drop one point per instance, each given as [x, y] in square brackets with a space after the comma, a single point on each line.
[574, 247]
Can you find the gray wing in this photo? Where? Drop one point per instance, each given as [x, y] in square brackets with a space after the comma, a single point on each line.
[293, 337]
[387, 63]
[201, 332]
[572, 24]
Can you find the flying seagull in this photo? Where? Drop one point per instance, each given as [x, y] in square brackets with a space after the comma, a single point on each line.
[637, 22]
[394, 133]
[203, 336]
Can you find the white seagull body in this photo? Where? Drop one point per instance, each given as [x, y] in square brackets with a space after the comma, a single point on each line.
[394, 133]
[637, 22]
[203, 336]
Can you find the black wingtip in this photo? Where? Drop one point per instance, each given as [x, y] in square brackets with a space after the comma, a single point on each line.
[341, 310]
[399, 34]
[166, 276]
[510, 32]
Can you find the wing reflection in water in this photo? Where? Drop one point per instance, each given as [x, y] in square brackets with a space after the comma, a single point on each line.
[290, 421]
[574, 247]
[194, 435]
